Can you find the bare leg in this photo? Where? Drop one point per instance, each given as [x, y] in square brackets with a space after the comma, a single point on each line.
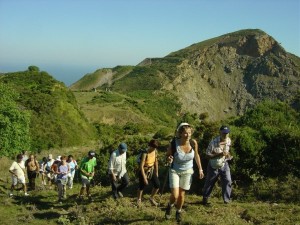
[180, 199]
[154, 192]
[139, 194]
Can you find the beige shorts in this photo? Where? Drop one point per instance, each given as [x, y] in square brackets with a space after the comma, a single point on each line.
[85, 181]
[15, 180]
[182, 179]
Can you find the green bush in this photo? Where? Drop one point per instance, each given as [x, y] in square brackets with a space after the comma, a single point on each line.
[14, 123]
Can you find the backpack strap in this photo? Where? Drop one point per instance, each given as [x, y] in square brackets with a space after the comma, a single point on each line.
[173, 147]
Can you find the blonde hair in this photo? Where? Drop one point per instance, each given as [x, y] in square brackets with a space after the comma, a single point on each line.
[181, 129]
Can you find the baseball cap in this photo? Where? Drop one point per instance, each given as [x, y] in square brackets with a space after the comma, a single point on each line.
[224, 129]
[123, 147]
[91, 153]
[58, 158]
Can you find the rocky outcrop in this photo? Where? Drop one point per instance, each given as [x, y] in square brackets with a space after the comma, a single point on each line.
[233, 73]
[223, 76]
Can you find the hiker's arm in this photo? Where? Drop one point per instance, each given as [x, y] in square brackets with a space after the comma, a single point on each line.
[198, 160]
[37, 166]
[12, 172]
[111, 166]
[156, 164]
[84, 172]
[210, 154]
[142, 164]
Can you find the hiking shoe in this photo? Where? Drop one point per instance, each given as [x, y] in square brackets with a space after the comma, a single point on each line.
[120, 194]
[115, 195]
[90, 198]
[81, 197]
[205, 202]
[26, 194]
[11, 194]
[168, 212]
[153, 202]
[178, 216]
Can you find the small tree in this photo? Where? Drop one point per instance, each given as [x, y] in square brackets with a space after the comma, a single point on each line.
[33, 69]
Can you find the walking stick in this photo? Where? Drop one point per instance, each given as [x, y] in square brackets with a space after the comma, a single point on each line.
[164, 184]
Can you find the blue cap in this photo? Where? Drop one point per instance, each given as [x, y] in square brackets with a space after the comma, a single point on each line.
[123, 147]
[224, 129]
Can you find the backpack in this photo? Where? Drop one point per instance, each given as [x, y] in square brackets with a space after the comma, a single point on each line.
[140, 154]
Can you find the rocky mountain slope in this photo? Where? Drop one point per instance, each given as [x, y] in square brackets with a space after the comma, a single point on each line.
[223, 76]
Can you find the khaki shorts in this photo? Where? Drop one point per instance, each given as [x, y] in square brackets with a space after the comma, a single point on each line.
[15, 180]
[85, 181]
[182, 179]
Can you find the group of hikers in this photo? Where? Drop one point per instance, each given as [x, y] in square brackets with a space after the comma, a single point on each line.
[181, 152]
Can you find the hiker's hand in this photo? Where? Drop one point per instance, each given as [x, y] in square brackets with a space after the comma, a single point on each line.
[201, 174]
[116, 178]
[170, 159]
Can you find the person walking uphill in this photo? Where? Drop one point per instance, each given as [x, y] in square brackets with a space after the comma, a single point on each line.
[62, 172]
[218, 155]
[148, 171]
[180, 154]
[87, 171]
[17, 169]
[117, 170]
[32, 167]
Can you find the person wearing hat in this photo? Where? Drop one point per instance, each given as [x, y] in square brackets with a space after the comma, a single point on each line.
[180, 155]
[48, 171]
[117, 170]
[218, 154]
[87, 172]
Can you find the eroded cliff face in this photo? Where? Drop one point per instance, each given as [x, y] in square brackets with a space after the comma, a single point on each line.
[222, 76]
[231, 75]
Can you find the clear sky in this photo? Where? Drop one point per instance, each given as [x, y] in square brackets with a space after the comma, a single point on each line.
[70, 38]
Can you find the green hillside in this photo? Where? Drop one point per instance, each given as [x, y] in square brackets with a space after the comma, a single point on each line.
[55, 119]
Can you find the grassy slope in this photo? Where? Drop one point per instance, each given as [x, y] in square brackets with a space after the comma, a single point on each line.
[41, 208]
[143, 107]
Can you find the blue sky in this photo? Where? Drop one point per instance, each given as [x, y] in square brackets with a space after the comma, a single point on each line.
[70, 38]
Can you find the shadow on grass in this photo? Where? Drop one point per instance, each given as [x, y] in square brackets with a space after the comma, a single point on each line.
[47, 215]
[125, 221]
[46, 203]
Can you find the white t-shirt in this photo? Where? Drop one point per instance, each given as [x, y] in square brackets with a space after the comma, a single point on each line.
[17, 168]
[117, 163]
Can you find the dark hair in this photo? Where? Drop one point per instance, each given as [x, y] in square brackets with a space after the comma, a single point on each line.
[70, 156]
[153, 143]
[19, 156]
[63, 157]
